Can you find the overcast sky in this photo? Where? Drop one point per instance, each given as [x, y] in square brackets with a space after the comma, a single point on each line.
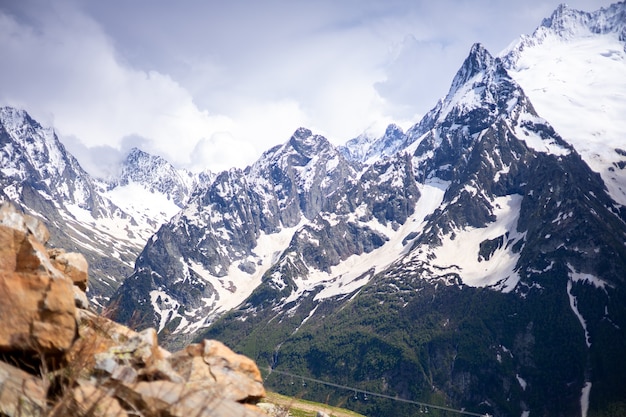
[212, 84]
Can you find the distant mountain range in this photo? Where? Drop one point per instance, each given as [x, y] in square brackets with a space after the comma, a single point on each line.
[107, 220]
[476, 260]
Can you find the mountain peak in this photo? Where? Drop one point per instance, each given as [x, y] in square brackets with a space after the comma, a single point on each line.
[308, 144]
[302, 133]
[569, 23]
[367, 148]
[393, 129]
[478, 61]
[14, 118]
[156, 174]
[566, 21]
[12, 112]
[135, 153]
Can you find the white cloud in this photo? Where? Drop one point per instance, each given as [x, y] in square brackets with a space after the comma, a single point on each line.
[214, 85]
[67, 73]
[66, 70]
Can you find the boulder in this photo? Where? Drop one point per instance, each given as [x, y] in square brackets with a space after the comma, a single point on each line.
[181, 400]
[100, 368]
[210, 362]
[88, 400]
[37, 313]
[37, 309]
[21, 394]
[73, 265]
[140, 351]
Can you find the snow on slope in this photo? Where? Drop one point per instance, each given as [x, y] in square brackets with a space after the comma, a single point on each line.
[230, 290]
[460, 251]
[355, 272]
[148, 208]
[578, 83]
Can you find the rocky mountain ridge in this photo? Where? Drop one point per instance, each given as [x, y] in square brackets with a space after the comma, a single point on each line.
[485, 207]
[516, 211]
[476, 259]
[109, 221]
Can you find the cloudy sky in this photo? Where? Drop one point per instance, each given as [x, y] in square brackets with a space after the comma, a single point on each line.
[212, 84]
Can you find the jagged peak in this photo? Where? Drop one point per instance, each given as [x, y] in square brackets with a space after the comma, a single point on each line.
[304, 136]
[308, 144]
[14, 118]
[135, 153]
[139, 159]
[139, 164]
[367, 147]
[566, 21]
[301, 133]
[12, 112]
[479, 60]
[393, 129]
[155, 173]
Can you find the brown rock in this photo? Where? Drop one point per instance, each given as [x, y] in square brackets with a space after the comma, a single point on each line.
[80, 300]
[37, 309]
[10, 217]
[37, 228]
[216, 355]
[9, 242]
[113, 345]
[87, 399]
[33, 257]
[73, 265]
[109, 364]
[95, 336]
[212, 364]
[161, 370]
[140, 350]
[37, 313]
[191, 368]
[180, 400]
[21, 394]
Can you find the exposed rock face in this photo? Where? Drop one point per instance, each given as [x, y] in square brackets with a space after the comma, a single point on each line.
[101, 368]
[211, 362]
[37, 309]
[204, 379]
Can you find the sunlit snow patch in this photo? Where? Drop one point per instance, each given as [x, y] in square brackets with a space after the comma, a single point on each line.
[579, 86]
[233, 288]
[584, 399]
[459, 252]
[534, 140]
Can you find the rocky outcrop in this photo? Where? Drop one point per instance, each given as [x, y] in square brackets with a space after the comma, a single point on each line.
[37, 310]
[61, 359]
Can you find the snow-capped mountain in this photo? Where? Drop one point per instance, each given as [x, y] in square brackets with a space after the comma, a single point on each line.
[156, 175]
[573, 69]
[367, 148]
[212, 255]
[108, 222]
[477, 259]
[151, 190]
